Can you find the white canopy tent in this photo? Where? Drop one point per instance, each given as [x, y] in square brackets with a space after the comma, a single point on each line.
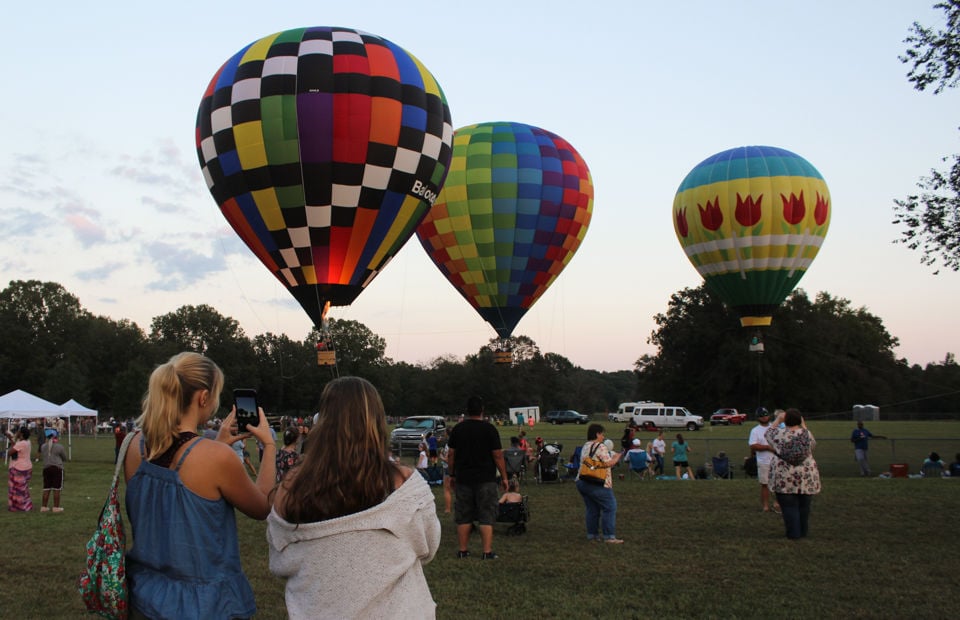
[73, 409]
[20, 405]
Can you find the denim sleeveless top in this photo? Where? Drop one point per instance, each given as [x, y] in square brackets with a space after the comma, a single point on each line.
[185, 560]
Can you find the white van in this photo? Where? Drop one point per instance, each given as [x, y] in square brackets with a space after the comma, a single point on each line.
[625, 411]
[648, 415]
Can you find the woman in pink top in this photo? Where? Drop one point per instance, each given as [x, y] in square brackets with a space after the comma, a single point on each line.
[21, 469]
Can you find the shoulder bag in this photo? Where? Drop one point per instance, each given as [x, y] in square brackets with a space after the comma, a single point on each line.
[103, 584]
[592, 469]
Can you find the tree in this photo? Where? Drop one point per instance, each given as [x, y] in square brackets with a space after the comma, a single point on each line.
[39, 322]
[821, 356]
[204, 330]
[932, 217]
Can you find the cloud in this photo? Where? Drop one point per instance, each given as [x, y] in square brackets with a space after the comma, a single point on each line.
[180, 267]
[21, 222]
[161, 167]
[84, 223]
[164, 207]
[99, 273]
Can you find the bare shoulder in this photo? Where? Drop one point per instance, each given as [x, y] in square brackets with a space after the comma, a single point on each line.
[401, 474]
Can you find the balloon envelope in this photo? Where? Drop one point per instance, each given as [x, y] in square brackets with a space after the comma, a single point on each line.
[514, 209]
[751, 220]
[324, 148]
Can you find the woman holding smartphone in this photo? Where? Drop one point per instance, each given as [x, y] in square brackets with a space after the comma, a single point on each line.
[193, 569]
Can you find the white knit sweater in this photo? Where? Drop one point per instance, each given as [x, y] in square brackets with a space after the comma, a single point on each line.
[364, 565]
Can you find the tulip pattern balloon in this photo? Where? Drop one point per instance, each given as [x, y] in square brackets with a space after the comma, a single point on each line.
[515, 208]
[324, 148]
[751, 220]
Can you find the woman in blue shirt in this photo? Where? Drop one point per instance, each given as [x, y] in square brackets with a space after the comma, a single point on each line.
[680, 462]
[181, 493]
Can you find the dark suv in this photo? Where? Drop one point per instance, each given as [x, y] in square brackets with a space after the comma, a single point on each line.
[566, 415]
[409, 433]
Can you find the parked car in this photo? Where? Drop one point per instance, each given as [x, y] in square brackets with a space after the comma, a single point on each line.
[566, 415]
[624, 412]
[411, 431]
[651, 416]
[727, 416]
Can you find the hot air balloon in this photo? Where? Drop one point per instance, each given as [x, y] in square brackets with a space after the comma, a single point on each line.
[514, 209]
[324, 148]
[751, 220]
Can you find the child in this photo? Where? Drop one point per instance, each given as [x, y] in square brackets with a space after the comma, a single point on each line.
[512, 496]
[422, 458]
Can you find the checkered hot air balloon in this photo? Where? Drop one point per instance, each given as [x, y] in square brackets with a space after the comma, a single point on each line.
[324, 148]
[751, 220]
[514, 209]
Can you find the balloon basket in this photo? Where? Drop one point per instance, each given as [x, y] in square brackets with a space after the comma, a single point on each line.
[503, 357]
[326, 358]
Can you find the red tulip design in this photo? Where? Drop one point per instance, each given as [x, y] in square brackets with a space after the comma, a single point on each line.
[710, 216]
[793, 209]
[748, 212]
[821, 210]
[682, 222]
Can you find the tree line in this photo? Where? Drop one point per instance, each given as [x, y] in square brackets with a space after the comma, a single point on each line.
[821, 355]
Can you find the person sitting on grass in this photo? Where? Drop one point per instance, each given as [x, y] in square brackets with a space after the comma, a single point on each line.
[933, 466]
[955, 467]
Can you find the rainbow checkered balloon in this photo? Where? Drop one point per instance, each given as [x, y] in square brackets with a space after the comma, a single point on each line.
[513, 211]
[751, 220]
[324, 148]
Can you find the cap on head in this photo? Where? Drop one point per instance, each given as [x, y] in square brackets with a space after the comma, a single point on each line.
[636, 442]
[762, 412]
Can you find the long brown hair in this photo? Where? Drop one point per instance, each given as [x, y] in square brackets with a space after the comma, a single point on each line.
[169, 392]
[346, 465]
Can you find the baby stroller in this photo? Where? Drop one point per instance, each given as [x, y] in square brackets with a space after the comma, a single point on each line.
[516, 513]
[548, 463]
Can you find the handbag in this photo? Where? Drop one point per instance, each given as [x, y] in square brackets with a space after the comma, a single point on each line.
[103, 585]
[592, 469]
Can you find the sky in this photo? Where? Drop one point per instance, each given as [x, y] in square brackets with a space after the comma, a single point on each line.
[101, 191]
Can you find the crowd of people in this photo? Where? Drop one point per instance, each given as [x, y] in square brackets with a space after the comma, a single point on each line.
[351, 545]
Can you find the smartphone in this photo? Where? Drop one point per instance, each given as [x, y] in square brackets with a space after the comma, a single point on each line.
[248, 414]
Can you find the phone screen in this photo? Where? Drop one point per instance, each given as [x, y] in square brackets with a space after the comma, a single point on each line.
[247, 414]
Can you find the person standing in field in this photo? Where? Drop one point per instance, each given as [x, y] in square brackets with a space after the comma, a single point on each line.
[350, 529]
[794, 475]
[53, 455]
[761, 448]
[20, 472]
[475, 456]
[659, 450]
[681, 461]
[861, 442]
[599, 502]
[182, 493]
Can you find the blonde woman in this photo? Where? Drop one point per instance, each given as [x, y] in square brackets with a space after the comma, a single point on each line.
[351, 529]
[181, 493]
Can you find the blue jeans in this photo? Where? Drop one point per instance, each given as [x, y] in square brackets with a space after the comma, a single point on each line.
[796, 513]
[601, 508]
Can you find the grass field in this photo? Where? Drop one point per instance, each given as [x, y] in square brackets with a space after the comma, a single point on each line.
[700, 549]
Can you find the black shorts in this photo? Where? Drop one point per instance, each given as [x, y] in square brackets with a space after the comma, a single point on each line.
[681, 464]
[52, 478]
[433, 453]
